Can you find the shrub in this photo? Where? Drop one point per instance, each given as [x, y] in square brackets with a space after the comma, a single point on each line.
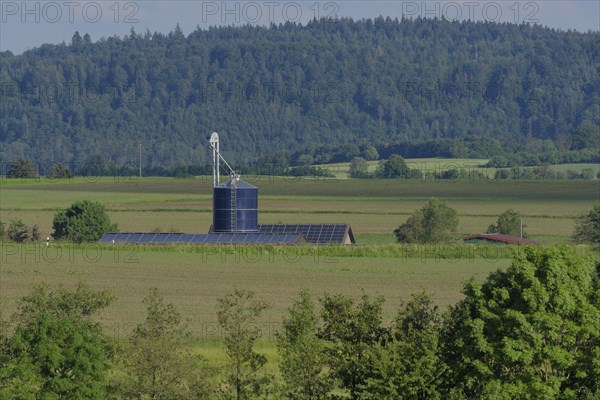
[35, 233]
[22, 168]
[359, 168]
[587, 226]
[59, 171]
[508, 223]
[394, 167]
[431, 224]
[17, 231]
[84, 221]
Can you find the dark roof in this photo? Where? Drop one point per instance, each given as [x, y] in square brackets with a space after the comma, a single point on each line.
[314, 233]
[239, 184]
[500, 237]
[204, 238]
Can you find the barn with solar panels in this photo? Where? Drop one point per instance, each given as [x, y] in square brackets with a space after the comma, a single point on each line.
[235, 219]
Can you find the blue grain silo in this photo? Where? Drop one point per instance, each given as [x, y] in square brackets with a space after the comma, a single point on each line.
[235, 202]
[235, 207]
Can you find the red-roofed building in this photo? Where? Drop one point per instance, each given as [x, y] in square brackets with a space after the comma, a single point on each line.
[497, 238]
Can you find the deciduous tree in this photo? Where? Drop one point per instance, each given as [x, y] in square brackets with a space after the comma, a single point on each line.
[57, 351]
[22, 168]
[408, 364]
[302, 352]
[351, 332]
[530, 332]
[359, 168]
[237, 314]
[84, 221]
[508, 223]
[393, 167]
[59, 171]
[587, 226]
[433, 223]
[17, 231]
[158, 361]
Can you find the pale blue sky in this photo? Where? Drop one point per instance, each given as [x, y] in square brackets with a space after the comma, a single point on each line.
[25, 25]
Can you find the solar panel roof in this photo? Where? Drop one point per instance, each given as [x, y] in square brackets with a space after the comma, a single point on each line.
[314, 233]
[206, 238]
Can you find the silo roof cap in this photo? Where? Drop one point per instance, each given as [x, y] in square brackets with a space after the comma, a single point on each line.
[239, 184]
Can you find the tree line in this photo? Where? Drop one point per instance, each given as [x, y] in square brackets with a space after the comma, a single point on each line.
[529, 332]
[395, 167]
[325, 90]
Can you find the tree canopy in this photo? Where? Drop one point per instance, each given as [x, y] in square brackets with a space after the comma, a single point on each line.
[422, 86]
[587, 226]
[57, 351]
[159, 361]
[432, 223]
[508, 223]
[530, 332]
[84, 221]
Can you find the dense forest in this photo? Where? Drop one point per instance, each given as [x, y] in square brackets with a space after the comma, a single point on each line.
[318, 92]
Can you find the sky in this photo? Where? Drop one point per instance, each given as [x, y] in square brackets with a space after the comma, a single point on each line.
[28, 24]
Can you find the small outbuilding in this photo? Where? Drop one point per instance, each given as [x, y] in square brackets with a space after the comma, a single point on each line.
[498, 238]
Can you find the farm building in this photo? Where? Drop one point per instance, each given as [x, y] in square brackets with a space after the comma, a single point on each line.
[235, 220]
[497, 238]
[312, 233]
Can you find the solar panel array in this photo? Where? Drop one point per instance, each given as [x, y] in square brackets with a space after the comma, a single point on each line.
[210, 238]
[314, 233]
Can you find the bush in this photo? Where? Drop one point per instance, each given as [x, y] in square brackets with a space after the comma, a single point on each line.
[587, 226]
[587, 173]
[2, 230]
[508, 223]
[84, 221]
[359, 168]
[17, 231]
[431, 224]
[59, 171]
[35, 233]
[501, 174]
[394, 167]
[371, 153]
[311, 171]
[22, 168]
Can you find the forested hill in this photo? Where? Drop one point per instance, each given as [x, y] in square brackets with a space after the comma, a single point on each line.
[290, 89]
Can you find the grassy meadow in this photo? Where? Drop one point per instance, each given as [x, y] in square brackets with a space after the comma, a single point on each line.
[194, 277]
[341, 170]
[424, 165]
[374, 208]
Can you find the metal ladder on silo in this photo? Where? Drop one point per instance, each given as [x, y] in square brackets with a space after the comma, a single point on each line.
[233, 207]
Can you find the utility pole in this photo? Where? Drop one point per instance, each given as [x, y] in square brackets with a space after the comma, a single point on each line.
[140, 161]
[521, 228]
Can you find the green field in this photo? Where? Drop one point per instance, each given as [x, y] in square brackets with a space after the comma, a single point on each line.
[341, 170]
[194, 277]
[374, 208]
[442, 164]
